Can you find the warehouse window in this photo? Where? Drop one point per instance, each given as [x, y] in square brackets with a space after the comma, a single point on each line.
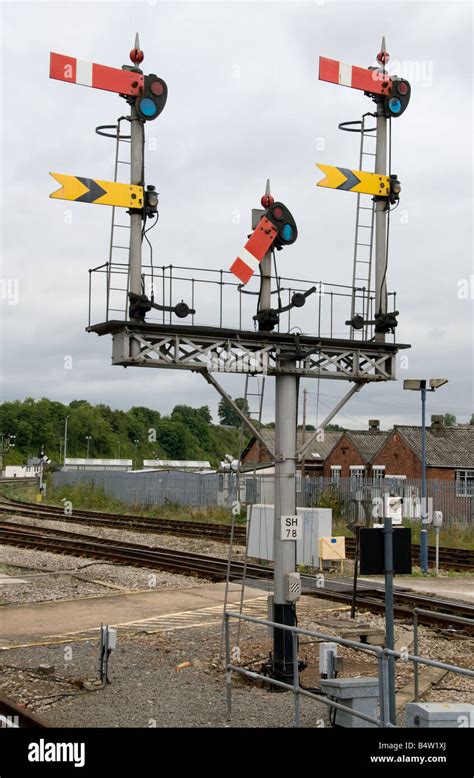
[378, 473]
[464, 483]
[336, 474]
[357, 474]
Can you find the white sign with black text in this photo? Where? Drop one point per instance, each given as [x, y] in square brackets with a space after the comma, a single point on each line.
[393, 508]
[291, 527]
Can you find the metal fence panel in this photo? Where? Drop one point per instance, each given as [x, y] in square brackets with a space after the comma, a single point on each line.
[351, 498]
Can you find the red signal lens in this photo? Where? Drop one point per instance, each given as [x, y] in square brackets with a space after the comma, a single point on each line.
[278, 213]
[402, 88]
[156, 88]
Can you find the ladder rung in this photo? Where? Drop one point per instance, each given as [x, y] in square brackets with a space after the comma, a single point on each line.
[121, 247]
[362, 262]
[125, 226]
[369, 153]
[365, 208]
[123, 162]
[364, 226]
[364, 244]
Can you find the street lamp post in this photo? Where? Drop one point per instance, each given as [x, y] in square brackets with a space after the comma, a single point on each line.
[88, 438]
[420, 385]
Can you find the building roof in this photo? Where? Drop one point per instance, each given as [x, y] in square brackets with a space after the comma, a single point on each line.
[367, 442]
[99, 462]
[447, 447]
[177, 464]
[321, 447]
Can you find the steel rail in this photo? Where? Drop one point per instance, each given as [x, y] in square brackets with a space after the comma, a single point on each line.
[215, 568]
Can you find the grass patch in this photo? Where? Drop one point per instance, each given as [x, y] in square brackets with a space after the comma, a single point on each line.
[86, 496]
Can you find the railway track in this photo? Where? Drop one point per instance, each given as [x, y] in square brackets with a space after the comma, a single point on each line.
[449, 558]
[14, 715]
[138, 555]
[211, 531]
[214, 568]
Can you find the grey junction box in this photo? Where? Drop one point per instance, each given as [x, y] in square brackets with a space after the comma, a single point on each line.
[432, 715]
[359, 694]
[317, 523]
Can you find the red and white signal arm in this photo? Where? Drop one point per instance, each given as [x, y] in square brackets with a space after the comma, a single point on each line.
[76, 71]
[336, 72]
[254, 250]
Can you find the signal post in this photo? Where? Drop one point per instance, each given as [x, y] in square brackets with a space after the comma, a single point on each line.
[287, 356]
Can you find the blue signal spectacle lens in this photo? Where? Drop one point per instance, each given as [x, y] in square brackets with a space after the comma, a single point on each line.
[147, 107]
[394, 105]
[287, 232]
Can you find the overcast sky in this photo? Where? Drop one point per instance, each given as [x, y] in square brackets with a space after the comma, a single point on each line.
[244, 104]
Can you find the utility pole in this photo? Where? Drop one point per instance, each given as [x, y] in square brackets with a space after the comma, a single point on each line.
[65, 440]
[381, 205]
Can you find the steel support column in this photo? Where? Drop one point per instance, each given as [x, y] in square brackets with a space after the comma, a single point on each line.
[381, 220]
[286, 408]
[136, 218]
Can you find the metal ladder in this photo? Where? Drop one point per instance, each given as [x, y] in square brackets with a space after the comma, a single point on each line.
[254, 413]
[364, 234]
[117, 239]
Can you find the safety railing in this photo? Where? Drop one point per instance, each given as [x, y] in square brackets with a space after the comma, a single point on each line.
[220, 301]
[382, 655]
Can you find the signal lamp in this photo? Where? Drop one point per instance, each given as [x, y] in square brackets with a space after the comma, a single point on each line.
[151, 201]
[395, 189]
[282, 219]
[396, 103]
[151, 103]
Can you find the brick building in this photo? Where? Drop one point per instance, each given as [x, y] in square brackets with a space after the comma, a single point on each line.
[255, 453]
[352, 454]
[449, 454]
[377, 454]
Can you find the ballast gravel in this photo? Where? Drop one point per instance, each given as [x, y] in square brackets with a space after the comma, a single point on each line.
[148, 689]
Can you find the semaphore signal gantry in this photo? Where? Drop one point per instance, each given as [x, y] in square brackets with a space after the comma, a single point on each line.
[267, 340]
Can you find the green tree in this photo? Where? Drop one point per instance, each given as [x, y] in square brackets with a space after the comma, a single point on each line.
[173, 437]
[449, 420]
[228, 416]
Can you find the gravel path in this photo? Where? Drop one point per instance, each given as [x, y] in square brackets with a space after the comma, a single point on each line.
[175, 678]
[147, 689]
